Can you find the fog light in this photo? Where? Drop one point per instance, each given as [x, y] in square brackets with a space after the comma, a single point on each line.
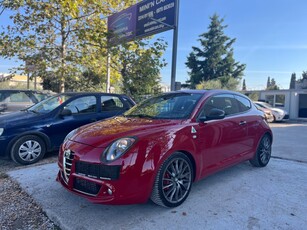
[110, 192]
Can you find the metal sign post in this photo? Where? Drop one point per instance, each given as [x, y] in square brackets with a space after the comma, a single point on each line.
[108, 71]
[175, 42]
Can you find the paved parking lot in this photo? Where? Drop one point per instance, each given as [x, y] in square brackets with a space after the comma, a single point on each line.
[242, 197]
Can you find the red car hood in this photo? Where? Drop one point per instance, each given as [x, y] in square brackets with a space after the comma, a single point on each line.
[101, 134]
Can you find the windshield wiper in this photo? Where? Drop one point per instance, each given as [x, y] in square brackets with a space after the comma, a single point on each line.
[32, 111]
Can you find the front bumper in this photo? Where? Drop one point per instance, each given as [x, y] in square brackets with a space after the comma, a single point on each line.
[120, 182]
[4, 143]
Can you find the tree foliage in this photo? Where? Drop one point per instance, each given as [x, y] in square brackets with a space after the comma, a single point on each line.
[62, 40]
[304, 77]
[244, 85]
[139, 65]
[271, 84]
[292, 81]
[44, 36]
[214, 60]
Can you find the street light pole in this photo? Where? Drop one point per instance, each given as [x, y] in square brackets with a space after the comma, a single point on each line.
[108, 70]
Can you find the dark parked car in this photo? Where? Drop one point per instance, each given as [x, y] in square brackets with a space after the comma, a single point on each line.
[14, 100]
[26, 135]
[160, 147]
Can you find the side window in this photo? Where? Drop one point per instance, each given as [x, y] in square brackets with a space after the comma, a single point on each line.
[110, 103]
[225, 102]
[82, 105]
[244, 103]
[19, 97]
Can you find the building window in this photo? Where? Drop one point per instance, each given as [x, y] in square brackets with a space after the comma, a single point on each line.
[277, 100]
[269, 99]
[280, 100]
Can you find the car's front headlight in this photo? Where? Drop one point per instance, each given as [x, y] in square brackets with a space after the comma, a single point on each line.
[1, 131]
[69, 135]
[117, 149]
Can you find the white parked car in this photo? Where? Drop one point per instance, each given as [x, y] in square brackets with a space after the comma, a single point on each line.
[279, 114]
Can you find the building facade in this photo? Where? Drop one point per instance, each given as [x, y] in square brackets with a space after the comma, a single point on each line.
[292, 100]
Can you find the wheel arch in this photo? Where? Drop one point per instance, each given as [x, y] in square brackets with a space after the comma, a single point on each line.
[41, 135]
[190, 156]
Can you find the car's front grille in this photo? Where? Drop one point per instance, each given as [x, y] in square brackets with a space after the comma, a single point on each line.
[286, 116]
[98, 171]
[87, 187]
[68, 157]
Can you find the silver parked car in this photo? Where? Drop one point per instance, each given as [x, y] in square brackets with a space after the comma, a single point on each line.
[12, 100]
[278, 114]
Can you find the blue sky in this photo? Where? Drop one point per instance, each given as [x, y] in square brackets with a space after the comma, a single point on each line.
[271, 37]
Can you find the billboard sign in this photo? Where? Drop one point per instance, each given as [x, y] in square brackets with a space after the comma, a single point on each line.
[155, 16]
[143, 19]
[121, 26]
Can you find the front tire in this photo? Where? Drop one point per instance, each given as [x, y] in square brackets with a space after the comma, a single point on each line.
[263, 154]
[28, 150]
[173, 181]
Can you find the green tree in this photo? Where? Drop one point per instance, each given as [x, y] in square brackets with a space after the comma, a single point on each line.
[211, 84]
[43, 32]
[62, 39]
[214, 59]
[292, 81]
[272, 84]
[304, 77]
[268, 83]
[244, 85]
[139, 64]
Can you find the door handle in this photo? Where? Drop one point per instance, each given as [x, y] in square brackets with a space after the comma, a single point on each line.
[242, 123]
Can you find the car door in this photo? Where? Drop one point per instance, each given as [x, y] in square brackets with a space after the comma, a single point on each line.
[253, 126]
[220, 141]
[83, 111]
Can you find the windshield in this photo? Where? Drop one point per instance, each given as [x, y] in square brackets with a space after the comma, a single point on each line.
[166, 106]
[49, 104]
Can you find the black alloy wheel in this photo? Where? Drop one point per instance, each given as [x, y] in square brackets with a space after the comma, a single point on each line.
[263, 154]
[173, 182]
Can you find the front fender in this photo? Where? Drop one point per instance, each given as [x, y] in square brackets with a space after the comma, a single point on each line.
[36, 133]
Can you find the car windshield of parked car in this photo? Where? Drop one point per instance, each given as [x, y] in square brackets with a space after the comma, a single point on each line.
[49, 104]
[166, 106]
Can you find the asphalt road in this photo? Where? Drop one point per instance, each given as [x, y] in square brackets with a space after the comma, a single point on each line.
[241, 197]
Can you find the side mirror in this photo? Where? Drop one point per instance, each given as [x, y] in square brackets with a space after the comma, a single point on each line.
[214, 114]
[66, 112]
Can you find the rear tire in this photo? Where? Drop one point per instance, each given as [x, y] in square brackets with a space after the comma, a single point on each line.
[173, 182]
[28, 150]
[263, 154]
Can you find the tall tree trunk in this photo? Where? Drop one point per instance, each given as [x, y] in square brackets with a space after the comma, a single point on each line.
[63, 56]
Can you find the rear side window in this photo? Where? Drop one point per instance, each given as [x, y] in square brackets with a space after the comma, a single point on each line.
[244, 103]
[110, 103]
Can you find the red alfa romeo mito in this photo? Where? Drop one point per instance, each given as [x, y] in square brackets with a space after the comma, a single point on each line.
[157, 149]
